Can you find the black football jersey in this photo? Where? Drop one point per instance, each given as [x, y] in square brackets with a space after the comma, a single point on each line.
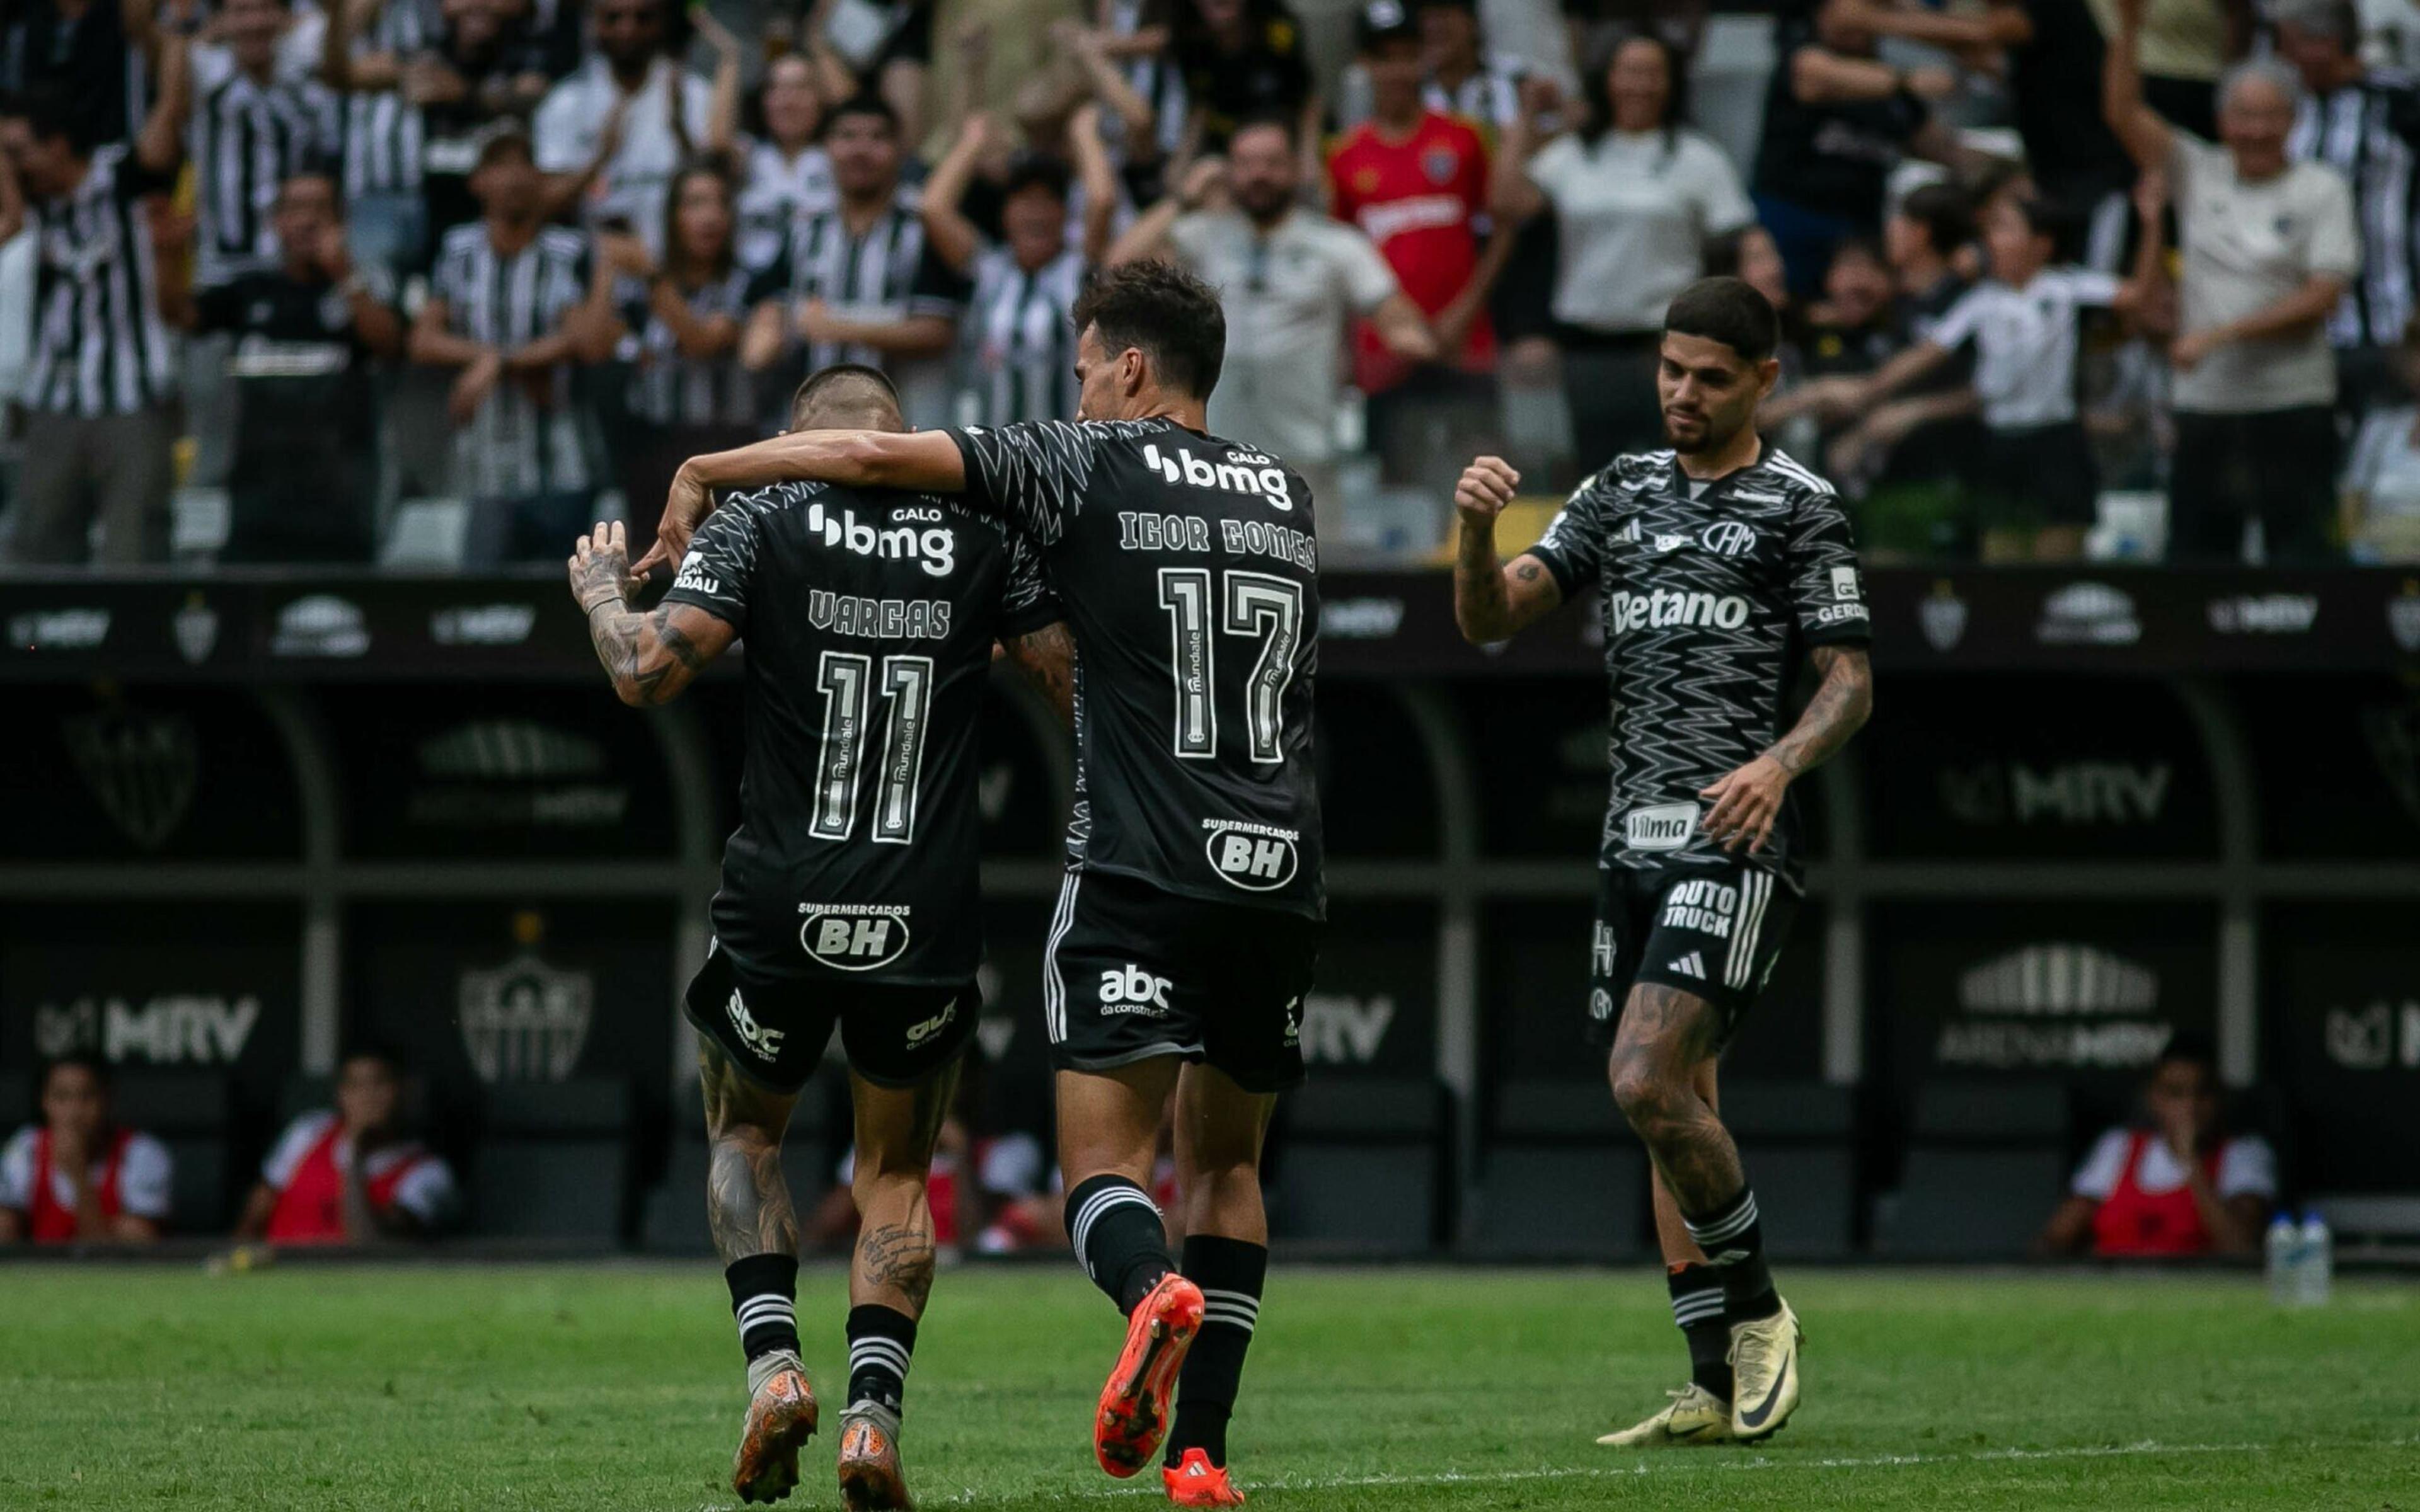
[868, 618]
[1189, 571]
[1709, 603]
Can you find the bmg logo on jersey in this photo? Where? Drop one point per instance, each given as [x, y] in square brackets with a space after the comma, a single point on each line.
[1255, 857]
[1241, 472]
[1664, 609]
[1132, 990]
[853, 936]
[934, 549]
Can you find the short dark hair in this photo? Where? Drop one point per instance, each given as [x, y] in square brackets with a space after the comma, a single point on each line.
[1164, 312]
[864, 102]
[820, 386]
[49, 111]
[1261, 119]
[1943, 211]
[2046, 218]
[1859, 245]
[2193, 1048]
[501, 141]
[91, 1063]
[1727, 309]
[1037, 170]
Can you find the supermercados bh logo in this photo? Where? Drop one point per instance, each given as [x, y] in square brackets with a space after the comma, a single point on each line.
[525, 1021]
[1244, 472]
[2055, 1004]
[914, 532]
[320, 624]
[2089, 614]
[1255, 857]
[853, 936]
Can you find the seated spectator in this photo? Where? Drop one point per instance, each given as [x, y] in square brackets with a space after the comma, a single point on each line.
[78, 1177]
[786, 173]
[100, 389]
[610, 137]
[2270, 247]
[1835, 121]
[1244, 60]
[1637, 197]
[678, 325]
[2039, 481]
[2382, 485]
[856, 282]
[1291, 280]
[303, 484]
[1020, 347]
[1414, 179]
[347, 1175]
[421, 85]
[2176, 1183]
[510, 308]
[2365, 123]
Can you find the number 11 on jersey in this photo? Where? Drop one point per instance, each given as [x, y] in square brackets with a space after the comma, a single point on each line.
[1252, 605]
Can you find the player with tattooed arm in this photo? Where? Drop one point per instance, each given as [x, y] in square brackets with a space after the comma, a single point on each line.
[1190, 914]
[849, 891]
[1721, 566]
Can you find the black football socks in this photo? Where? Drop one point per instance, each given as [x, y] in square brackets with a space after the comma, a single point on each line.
[1697, 1308]
[763, 1303]
[1118, 1236]
[1734, 1245]
[881, 1340]
[1230, 1272]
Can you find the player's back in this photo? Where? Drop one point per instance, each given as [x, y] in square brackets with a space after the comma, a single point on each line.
[1188, 567]
[868, 620]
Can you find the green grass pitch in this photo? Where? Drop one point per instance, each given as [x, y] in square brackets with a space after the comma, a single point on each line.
[618, 1387]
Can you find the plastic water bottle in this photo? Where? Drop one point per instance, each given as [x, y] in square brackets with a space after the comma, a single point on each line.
[2315, 1277]
[2284, 1251]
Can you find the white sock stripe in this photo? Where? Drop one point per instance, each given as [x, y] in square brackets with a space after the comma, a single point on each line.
[1696, 1301]
[878, 1352]
[1684, 1317]
[1241, 1299]
[1724, 1228]
[1234, 1321]
[769, 1299]
[1101, 1202]
[760, 1309]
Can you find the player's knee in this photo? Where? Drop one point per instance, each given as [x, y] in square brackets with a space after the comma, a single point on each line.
[1645, 1091]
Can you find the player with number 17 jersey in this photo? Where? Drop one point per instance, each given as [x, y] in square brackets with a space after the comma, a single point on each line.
[1188, 569]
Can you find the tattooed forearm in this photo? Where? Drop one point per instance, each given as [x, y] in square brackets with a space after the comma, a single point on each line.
[1048, 658]
[648, 656]
[746, 1202]
[1840, 706]
[900, 1256]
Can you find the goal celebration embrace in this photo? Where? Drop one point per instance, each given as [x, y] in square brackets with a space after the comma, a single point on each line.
[1183, 656]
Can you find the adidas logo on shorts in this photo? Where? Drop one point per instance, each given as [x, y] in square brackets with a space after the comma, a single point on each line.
[1689, 965]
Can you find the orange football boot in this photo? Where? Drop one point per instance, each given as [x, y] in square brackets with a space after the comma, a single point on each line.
[780, 1419]
[1194, 1481]
[1134, 1405]
[870, 1477]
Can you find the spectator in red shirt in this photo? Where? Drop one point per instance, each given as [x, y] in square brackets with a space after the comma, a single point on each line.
[346, 1175]
[78, 1177]
[1415, 181]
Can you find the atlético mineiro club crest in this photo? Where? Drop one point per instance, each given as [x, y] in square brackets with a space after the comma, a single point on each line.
[142, 768]
[1943, 617]
[1438, 163]
[525, 1021]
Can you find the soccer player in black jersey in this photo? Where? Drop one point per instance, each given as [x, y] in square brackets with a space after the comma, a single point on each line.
[1721, 565]
[1184, 933]
[849, 889]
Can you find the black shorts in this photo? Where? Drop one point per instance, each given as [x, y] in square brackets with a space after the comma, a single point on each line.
[1712, 929]
[1133, 972]
[774, 1027]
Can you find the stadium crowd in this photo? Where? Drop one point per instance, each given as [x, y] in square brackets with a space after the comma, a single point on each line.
[429, 281]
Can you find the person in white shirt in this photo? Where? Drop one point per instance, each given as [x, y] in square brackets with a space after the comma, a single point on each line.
[1290, 279]
[2270, 247]
[2038, 480]
[78, 1177]
[611, 135]
[1636, 197]
[2176, 1183]
[2381, 483]
[787, 173]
